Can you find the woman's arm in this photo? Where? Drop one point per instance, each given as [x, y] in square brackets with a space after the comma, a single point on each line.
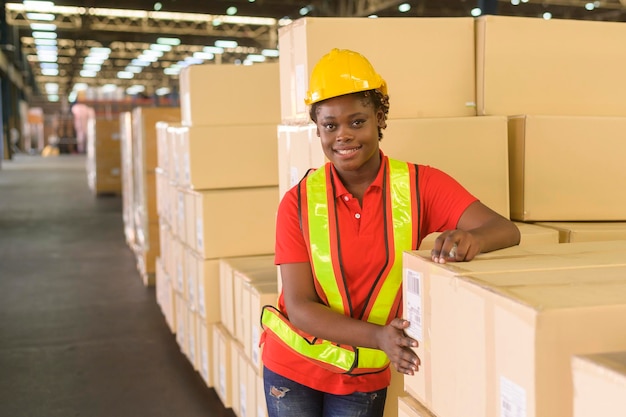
[479, 229]
[308, 314]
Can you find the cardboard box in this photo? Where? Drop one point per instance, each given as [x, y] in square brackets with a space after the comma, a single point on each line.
[209, 160]
[566, 168]
[527, 65]
[228, 94]
[410, 407]
[208, 271]
[235, 371]
[255, 296]
[174, 131]
[524, 316]
[163, 151]
[600, 384]
[243, 313]
[222, 364]
[189, 204]
[261, 404]
[434, 78]
[530, 234]
[192, 276]
[144, 120]
[193, 347]
[299, 150]
[587, 231]
[205, 335]
[227, 268]
[446, 143]
[236, 221]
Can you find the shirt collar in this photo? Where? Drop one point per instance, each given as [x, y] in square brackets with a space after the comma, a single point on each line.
[340, 189]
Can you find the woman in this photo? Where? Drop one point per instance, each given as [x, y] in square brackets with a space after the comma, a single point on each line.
[339, 241]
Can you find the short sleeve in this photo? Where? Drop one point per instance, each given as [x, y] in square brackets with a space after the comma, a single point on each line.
[290, 244]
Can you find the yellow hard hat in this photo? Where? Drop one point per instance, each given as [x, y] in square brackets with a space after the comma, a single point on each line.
[340, 72]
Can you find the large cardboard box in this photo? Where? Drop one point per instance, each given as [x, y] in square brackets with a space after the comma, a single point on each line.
[497, 333]
[410, 407]
[227, 268]
[205, 335]
[255, 296]
[587, 231]
[600, 384]
[236, 221]
[299, 150]
[243, 313]
[229, 94]
[432, 75]
[530, 234]
[564, 67]
[208, 293]
[144, 120]
[229, 156]
[566, 168]
[446, 143]
[222, 364]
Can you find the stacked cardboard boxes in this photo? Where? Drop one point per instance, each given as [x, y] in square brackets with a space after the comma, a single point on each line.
[217, 188]
[497, 334]
[103, 156]
[599, 384]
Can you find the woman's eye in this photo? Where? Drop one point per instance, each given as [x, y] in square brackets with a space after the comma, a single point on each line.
[358, 122]
[329, 126]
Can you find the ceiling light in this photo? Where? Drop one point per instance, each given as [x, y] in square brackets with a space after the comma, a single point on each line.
[109, 88]
[162, 91]
[476, 12]
[92, 67]
[270, 52]
[213, 49]
[46, 17]
[88, 74]
[45, 42]
[404, 7]
[38, 5]
[255, 58]
[305, 10]
[49, 65]
[547, 15]
[205, 56]
[226, 44]
[231, 11]
[169, 41]
[53, 97]
[193, 61]
[44, 35]
[158, 6]
[162, 48]
[136, 69]
[171, 71]
[43, 26]
[515, 2]
[93, 60]
[590, 6]
[372, 16]
[51, 72]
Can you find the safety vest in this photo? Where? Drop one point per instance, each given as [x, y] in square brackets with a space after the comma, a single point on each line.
[321, 235]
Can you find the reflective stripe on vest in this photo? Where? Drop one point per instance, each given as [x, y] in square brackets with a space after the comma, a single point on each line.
[397, 200]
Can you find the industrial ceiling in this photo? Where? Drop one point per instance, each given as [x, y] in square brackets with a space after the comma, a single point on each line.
[124, 31]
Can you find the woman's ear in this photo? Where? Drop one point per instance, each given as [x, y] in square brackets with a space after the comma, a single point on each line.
[380, 117]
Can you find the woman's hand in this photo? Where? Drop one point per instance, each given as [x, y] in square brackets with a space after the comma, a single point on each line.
[397, 345]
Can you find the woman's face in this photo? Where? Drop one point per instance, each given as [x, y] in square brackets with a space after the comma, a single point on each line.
[348, 128]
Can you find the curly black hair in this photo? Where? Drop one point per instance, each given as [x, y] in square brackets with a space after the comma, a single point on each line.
[379, 100]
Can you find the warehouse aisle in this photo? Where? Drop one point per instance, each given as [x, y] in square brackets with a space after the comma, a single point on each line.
[79, 333]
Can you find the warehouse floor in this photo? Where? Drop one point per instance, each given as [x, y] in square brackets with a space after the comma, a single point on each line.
[80, 335]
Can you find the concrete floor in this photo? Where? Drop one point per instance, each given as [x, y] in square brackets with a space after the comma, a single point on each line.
[79, 333]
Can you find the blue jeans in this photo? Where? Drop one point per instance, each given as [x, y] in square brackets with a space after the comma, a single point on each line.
[286, 398]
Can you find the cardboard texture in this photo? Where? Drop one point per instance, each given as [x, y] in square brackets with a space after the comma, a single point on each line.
[434, 79]
[566, 168]
[526, 65]
[241, 281]
[236, 364]
[206, 163]
[299, 150]
[530, 234]
[222, 364]
[410, 407]
[236, 222]
[261, 404]
[446, 143]
[255, 296]
[497, 333]
[209, 301]
[227, 268]
[587, 231]
[228, 94]
[600, 384]
[205, 335]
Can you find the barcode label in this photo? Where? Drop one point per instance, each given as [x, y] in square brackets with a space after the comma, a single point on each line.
[413, 312]
[512, 399]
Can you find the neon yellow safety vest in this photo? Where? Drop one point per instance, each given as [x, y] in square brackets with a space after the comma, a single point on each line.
[322, 238]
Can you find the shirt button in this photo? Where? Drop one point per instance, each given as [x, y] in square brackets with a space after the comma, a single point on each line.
[358, 215]
[346, 198]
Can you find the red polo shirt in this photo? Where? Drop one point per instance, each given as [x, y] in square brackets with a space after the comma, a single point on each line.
[442, 201]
